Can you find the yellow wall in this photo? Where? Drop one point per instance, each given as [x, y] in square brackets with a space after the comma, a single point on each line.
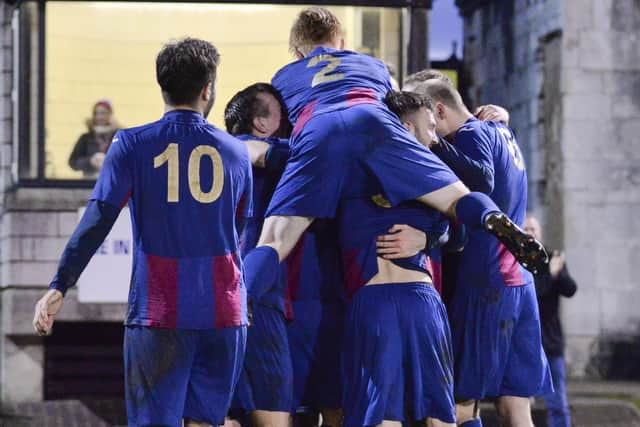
[107, 50]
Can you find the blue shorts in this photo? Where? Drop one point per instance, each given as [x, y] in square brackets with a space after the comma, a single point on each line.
[397, 357]
[171, 374]
[351, 153]
[266, 382]
[496, 342]
[315, 336]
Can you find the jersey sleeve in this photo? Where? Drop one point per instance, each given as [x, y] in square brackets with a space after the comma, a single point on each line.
[244, 209]
[277, 156]
[115, 182]
[470, 158]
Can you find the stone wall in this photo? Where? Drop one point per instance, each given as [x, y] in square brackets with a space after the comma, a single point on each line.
[503, 43]
[601, 162]
[6, 76]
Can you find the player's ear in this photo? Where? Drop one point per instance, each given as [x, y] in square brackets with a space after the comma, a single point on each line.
[440, 111]
[298, 54]
[259, 125]
[207, 92]
[409, 126]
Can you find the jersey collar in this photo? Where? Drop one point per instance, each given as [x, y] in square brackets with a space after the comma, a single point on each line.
[184, 116]
[321, 49]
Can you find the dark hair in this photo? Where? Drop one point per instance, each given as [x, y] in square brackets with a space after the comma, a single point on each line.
[402, 103]
[313, 26]
[245, 105]
[426, 74]
[184, 67]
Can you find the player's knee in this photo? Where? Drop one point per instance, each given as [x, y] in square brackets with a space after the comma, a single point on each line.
[467, 410]
[514, 411]
[270, 419]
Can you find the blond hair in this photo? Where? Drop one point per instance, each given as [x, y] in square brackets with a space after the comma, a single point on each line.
[313, 26]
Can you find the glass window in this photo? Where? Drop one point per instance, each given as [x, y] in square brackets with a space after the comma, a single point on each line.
[99, 60]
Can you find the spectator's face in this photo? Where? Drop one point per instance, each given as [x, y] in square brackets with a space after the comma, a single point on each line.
[422, 125]
[532, 227]
[271, 123]
[101, 116]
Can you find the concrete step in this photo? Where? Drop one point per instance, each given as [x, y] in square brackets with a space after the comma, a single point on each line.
[586, 412]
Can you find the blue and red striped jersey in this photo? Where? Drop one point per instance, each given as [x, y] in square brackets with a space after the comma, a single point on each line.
[496, 156]
[330, 79]
[186, 182]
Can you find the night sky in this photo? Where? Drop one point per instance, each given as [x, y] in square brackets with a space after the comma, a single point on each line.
[445, 27]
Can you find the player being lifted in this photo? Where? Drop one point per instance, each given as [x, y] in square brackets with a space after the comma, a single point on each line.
[184, 181]
[349, 150]
[494, 313]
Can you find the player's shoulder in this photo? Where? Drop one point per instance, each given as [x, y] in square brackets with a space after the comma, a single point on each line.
[135, 133]
[228, 143]
[472, 125]
[476, 129]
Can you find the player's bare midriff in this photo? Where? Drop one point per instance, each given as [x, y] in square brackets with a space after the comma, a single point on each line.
[389, 273]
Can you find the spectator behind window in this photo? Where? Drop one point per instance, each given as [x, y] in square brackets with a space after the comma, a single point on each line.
[88, 153]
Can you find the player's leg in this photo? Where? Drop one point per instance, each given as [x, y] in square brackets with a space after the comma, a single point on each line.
[514, 411]
[270, 419]
[261, 265]
[372, 371]
[527, 371]
[192, 423]
[217, 365]
[394, 151]
[231, 422]
[268, 369]
[428, 358]
[283, 232]
[468, 413]
[158, 364]
[386, 423]
[477, 210]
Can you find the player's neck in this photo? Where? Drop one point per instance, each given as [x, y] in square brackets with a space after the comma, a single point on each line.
[327, 45]
[459, 118]
[168, 108]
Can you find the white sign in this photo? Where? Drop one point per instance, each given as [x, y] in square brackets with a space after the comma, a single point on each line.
[107, 277]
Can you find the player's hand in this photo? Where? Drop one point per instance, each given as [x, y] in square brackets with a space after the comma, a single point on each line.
[402, 242]
[556, 264]
[492, 113]
[46, 309]
[97, 160]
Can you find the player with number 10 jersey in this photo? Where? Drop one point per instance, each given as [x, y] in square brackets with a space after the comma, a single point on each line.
[184, 181]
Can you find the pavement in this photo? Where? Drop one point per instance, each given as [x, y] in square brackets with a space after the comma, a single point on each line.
[593, 404]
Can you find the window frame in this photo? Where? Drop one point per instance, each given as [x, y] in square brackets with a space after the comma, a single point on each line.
[23, 102]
